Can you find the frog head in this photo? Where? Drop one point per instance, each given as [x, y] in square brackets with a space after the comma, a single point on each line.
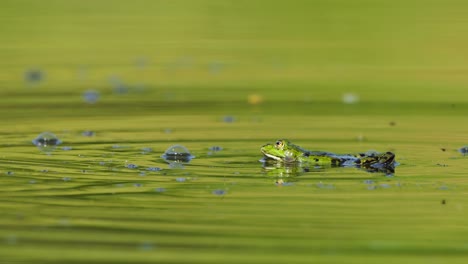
[280, 151]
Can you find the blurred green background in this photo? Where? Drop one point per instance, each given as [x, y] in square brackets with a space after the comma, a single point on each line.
[285, 50]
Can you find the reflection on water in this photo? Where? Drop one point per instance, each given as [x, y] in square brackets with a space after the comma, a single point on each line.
[124, 193]
[281, 169]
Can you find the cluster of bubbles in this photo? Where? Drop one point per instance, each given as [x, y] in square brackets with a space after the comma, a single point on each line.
[176, 154]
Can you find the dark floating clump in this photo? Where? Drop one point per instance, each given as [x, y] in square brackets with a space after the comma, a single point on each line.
[177, 154]
[34, 76]
[46, 141]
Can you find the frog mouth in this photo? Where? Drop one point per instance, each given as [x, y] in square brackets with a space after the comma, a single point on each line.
[270, 156]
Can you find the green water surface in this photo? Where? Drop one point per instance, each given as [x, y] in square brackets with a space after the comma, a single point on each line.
[233, 75]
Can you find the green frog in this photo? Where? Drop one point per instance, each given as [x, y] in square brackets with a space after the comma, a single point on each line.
[284, 151]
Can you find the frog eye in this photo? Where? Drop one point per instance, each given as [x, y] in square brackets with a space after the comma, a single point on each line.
[279, 144]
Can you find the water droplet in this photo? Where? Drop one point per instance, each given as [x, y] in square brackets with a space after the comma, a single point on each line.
[463, 150]
[216, 148]
[46, 141]
[350, 98]
[369, 182]
[229, 119]
[146, 150]
[91, 96]
[146, 246]
[67, 148]
[219, 192]
[160, 190]
[154, 169]
[181, 179]
[141, 62]
[142, 174]
[216, 67]
[131, 166]
[120, 89]
[177, 153]
[138, 185]
[88, 133]
[321, 185]
[10, 173]
[66, 179]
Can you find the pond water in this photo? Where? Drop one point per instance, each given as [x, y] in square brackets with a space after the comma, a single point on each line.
[106, 194]
[94, 93]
